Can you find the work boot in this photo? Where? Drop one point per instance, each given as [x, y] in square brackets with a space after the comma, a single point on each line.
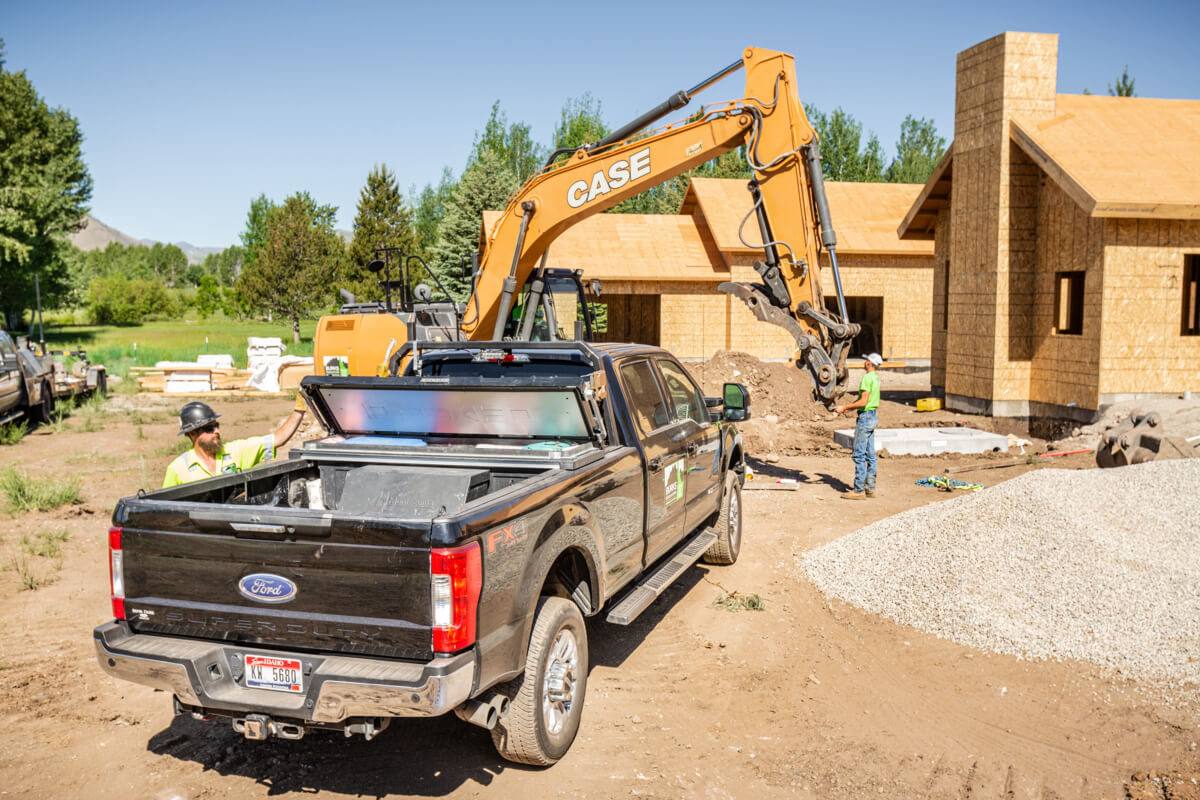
[852, 495]
[869, 492]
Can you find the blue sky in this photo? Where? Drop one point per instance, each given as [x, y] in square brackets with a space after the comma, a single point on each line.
[191, 110]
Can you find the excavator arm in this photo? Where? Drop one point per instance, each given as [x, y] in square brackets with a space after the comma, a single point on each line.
[789, 206]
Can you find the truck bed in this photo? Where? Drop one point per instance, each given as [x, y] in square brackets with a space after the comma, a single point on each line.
[348, 535]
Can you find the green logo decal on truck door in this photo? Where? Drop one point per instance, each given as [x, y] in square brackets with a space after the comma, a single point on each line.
[674, 479]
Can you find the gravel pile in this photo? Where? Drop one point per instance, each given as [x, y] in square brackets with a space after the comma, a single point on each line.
[1099, 565]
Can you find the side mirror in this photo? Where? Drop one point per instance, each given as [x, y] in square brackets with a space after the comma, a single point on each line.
[375, 266]
[595, 286]
[737, 403]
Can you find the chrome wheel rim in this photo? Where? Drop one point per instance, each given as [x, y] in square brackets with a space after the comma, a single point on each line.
[559, 683]
[735, 523]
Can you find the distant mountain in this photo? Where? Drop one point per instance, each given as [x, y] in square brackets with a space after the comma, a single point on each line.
[97, 236]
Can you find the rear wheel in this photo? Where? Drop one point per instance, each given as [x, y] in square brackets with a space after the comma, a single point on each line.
[547, 699]
[728, 526]
[46, 410]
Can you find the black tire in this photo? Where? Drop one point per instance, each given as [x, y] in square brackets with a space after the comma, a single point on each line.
[102, 384]
[539, 729]
[728, 526]
[46, 409]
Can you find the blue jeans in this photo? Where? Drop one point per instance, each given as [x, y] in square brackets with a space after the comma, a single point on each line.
[864, 450]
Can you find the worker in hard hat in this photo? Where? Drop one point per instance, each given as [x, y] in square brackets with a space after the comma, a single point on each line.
[210, 456]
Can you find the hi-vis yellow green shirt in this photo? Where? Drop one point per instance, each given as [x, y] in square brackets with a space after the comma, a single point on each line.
[870, 383]
[234, 457]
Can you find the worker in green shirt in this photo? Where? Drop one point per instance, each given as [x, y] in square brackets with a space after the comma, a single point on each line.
[210, 456]
[863, 452]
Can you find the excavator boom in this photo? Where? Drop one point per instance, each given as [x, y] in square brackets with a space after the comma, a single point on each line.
[793, 223]
[792, 227]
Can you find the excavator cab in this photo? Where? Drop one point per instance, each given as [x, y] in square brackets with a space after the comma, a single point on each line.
[361, 337]
[557, 305]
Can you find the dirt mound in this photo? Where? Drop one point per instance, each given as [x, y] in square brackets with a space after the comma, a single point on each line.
[776, 388]
[785, 417]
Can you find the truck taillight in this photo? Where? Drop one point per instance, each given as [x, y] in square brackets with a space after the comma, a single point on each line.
[455, 584]
[116, 572]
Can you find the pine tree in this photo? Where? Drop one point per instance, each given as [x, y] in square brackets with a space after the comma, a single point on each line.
[1124, 87]
[485, 186]
[293, 262]
[383, 219]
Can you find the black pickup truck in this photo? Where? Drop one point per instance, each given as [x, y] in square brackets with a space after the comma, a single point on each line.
[438, 552]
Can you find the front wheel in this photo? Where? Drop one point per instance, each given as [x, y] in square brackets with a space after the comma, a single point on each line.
[547, 699]
[46, 409]
[728, 526]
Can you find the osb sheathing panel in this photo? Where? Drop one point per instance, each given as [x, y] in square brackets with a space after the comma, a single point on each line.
[1065, 366]
[1009, 73]
[942, 280]
[865, 215]
[1120, 156]
[635, 247]
[1142, 348]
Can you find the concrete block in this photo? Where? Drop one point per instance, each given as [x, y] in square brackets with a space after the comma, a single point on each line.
[929, 441]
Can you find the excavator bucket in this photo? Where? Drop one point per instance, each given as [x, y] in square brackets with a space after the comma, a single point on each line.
[1141, 438]
[828, 371]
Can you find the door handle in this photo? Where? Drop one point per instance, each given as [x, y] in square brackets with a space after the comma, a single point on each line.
[654, 464]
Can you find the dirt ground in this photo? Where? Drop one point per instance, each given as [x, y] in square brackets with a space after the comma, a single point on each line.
[806, 698]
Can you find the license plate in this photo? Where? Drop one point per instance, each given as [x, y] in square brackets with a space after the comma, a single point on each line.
[278, 674]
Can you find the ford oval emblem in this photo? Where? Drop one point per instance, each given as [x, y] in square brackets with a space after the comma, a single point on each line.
[267, 588]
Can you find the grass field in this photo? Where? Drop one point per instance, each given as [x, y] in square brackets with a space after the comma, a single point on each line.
[120, 347]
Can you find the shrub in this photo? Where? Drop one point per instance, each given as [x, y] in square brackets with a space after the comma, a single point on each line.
[27, 493]
[13, 432]
[117, 300]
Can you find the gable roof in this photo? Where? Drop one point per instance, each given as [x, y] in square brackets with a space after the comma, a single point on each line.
[1114, 156]
[1120, 156]
[865, 215]
[635, 247]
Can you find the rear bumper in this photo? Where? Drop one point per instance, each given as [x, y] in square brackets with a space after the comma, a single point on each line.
[208, 675]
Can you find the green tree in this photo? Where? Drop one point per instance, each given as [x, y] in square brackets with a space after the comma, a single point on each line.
[843, 156]
[431, 207]
[226, 265]
[1124, 85]
[485, 185]
[917, 151]
[44, 191]
[117, 300]
[208, 297]
[290, 268]
[168, 262]
[512, 143]
[194, 273]
[383, 219]
[256, 223]
[580, 122]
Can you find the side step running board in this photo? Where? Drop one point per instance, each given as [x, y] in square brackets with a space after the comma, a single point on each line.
[650, 587]
[11, 417]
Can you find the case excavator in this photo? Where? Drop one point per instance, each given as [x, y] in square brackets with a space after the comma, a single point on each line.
[515, 297]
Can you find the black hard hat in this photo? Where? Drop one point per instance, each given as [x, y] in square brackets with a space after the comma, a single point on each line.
[195, 415]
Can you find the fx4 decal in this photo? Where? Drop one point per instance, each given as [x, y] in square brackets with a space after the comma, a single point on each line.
[506, 537]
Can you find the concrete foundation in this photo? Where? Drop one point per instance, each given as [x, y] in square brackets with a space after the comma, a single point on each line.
[929, 441]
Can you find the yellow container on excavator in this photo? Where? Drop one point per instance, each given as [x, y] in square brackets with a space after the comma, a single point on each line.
[929, 404]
